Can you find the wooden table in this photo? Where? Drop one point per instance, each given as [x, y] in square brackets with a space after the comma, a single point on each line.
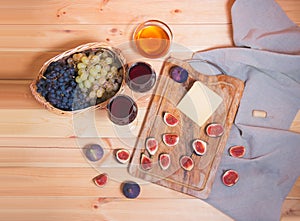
[43, 173]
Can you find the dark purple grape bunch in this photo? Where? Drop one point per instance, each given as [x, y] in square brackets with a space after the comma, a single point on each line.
[58, 86]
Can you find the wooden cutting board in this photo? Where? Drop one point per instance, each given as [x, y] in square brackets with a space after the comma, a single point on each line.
[167, 94]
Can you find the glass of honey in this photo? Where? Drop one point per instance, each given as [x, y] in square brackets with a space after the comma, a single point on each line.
[122, 109]
[153, 38]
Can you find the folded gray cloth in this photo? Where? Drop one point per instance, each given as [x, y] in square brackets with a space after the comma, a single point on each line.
[267, 59]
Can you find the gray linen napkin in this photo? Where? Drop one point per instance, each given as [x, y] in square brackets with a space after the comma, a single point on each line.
[267, 59]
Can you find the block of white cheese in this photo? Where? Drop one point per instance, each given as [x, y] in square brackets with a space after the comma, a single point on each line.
[199, 103]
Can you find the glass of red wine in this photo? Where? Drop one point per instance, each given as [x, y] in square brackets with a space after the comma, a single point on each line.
[122, 109]
[140, 77]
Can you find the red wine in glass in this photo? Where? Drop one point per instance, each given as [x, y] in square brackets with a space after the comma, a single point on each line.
[140, 77]
[122, 110]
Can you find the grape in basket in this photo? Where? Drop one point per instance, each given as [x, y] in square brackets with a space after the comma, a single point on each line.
[80, 79]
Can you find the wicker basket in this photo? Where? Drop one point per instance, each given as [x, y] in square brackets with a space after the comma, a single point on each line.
[95, 46]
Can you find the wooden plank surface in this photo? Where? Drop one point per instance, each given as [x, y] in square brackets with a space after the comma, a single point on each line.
[101, 208]
[47, 157]
[43, 173]
[105, 11]
[44, 167]
[120, 12]
[296, 123]
[43, 42]
[62, 156]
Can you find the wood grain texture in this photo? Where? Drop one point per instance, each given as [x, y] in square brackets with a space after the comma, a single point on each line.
[291, 208]
[31, 63]
[63, 37]
[54, 158]
[63, 152]
[63, 143]
[295, 126]
[101, 208]
[168, 93]
[105, 11]
[110, 12]
[43, 42]
[68, 181]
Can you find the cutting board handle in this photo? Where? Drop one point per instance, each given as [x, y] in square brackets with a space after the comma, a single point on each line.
[219, 69]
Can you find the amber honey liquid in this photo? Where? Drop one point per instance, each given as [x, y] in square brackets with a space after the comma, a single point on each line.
[152, 41]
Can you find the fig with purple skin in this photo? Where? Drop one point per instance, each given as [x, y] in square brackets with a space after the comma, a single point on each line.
[101, 179]
[179, 74]
[199, 147]
[186, 163]
[170, 139]
[122, 155]
[93, 152]
[237, 151]
[214, 130]
[170, 119]
[230, 177]
[151, 145]
[164, 161]
[131, 189]
[146, 162]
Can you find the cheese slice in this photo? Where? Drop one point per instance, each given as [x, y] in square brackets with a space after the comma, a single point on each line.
[199, 103]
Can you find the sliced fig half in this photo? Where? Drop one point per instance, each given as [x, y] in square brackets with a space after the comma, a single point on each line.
[170, 139]
[214, 130]
[186, 163]
[146, 162]
[230, 177]
[164, 161]
[237, 151]
[151, 145]
[199, 147]
[122, 155]
[170, 119]
[101, 179]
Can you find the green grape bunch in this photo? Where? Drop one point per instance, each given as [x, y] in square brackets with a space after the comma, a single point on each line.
[99, 74]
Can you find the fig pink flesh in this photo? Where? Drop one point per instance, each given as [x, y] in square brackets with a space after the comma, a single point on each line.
[146, 163]
[170, 139]
[122, 155]
[214, 130]
[170, 119]
[187, 163]
[164, 160]
[101, 179]
[230, 177]
[151, 145]
[237, 151]
[199, 146]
